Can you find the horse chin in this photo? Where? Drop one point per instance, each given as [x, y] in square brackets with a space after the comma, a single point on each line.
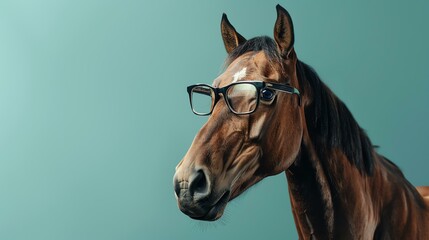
[216, 210]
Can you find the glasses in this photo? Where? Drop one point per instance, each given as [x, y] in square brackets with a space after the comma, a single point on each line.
[241, 97]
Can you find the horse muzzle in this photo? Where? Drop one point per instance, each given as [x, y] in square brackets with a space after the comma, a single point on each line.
[196, 196]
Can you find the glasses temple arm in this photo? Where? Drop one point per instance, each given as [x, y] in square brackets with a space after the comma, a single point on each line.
[286, 89]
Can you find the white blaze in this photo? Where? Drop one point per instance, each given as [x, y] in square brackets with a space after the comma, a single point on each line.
[239, 75]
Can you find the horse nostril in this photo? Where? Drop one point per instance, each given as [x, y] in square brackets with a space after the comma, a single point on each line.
[198, 186]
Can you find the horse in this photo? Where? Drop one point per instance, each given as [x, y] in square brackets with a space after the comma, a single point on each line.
[269, 113]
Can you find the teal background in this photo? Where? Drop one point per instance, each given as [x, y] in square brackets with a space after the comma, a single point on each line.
[94, 115]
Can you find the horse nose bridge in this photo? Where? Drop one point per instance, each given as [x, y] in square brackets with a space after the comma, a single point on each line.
[218, 127]
[196, 157]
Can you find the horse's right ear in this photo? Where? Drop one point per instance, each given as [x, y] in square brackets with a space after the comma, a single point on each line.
[231, 38]
[283, 31]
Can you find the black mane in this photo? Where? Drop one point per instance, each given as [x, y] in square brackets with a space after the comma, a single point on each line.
[328, 119]
[331, 123]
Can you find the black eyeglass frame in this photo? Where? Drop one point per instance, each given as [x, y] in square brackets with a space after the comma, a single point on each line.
[259, 85]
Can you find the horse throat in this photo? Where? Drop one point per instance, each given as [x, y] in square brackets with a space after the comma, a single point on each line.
[311, 196]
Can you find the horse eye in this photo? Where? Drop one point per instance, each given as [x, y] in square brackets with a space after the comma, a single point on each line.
[267, 94]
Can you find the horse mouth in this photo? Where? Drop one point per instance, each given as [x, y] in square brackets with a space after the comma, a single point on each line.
[216, 210]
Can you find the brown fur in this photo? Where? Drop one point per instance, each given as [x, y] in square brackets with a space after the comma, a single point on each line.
[332, 195]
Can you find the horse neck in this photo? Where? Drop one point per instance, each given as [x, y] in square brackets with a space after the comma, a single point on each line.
[332, 199]
[340, 188]
[334, 154]
[317, 187]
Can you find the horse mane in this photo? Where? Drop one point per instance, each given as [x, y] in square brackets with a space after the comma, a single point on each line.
[331, 123]
[328, 118]
[333, 126]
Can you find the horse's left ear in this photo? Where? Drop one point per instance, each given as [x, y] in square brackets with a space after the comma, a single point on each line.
[231, 38]
[283, 31]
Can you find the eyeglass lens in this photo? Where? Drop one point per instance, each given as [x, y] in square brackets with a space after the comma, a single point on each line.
[202, 99]
[242, 98]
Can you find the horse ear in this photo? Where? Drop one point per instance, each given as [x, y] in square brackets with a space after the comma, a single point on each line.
[283, 31]
[231, 38]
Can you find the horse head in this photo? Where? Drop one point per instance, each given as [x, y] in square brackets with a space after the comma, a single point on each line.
[255, 126]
